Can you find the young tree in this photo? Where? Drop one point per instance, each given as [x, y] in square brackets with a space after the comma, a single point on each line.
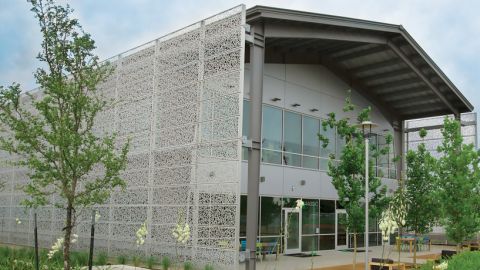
[348, 174]
[56, 142]
[421, 185]
[459, 182]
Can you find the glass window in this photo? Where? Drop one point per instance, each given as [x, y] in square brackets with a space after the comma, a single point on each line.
[340, 146]
[246, 118]
[327, 242]
[292, 159]
[272, 128]
[311, 143]
[310, 162]
[243, 216]
[310, 217]
[274, 157]
[293, 133]
[271, 216]
[327, 216]
[310, 243]
[246, 126]
[330, 148]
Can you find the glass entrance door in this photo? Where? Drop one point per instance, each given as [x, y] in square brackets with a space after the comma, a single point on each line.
[341, 234]
[292, 229]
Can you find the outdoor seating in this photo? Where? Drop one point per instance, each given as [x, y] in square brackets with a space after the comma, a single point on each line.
[385, 264]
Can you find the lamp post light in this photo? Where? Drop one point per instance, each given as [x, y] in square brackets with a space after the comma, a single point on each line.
[366, 130]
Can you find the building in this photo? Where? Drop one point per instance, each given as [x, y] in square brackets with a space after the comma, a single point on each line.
[184, 101]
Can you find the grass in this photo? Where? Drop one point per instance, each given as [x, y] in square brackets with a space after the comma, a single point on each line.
[122, 259]
[166, 263]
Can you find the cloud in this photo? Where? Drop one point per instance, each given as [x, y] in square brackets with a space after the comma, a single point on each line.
[448, 30]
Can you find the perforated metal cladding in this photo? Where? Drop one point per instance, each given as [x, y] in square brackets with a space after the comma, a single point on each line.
[178, 100]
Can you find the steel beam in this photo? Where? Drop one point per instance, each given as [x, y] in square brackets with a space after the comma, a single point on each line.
[386, 75]
[362, 53]
[361, 88]
[289, 30]
[400, 54]
[389, 87]
[375, 66]
[257, 54]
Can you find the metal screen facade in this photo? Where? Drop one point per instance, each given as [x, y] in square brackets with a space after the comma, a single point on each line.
[434, 126]
[178, 99]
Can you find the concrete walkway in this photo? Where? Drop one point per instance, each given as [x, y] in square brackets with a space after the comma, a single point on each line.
[334, 258]
[328, 258]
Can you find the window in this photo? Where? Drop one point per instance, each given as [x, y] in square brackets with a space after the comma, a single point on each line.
[311, 143]
[327, 216]
[246, 126]
[310, 217]
[329, 133]
[293, 139]
[272, 135]
[271, 216]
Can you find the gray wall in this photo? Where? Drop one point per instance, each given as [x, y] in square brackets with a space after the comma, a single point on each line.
[311, 86]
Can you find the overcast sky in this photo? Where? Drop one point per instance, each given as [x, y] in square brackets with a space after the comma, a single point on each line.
[449, 31]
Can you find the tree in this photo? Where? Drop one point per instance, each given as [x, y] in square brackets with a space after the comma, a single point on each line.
[421, 185]
[54, 136]
[459, 182]
[348, 173]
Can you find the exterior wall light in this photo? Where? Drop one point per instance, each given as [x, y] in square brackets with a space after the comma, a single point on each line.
[295, 105]
[275, 99]
[314, 110]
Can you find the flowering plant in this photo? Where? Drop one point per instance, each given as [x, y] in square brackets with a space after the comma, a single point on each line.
[59, 244]
[181, 232]
[387, 224]
[141, 234]
[18, 221]
[300, 204]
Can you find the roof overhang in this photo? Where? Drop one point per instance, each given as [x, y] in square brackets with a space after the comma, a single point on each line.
[381, 61]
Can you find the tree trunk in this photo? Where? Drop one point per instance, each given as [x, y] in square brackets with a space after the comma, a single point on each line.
[354, 251]
[399, 245]
[67, 238]
[415, 250]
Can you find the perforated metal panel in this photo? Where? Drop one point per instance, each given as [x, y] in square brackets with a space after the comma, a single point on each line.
[178, 99]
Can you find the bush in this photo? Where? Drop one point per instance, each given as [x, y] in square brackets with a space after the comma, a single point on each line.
[79, 258]
[136, 260]
[166, 263]
[466, 260]
[151, 262]
[188, 266]
[208, 267]
[101, 258]
[121, 259]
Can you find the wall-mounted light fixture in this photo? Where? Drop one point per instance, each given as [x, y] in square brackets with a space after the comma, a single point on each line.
[314, 110]
[302, 182]
[275, 99]
[262, 179]
[295, 105]
[212, 174]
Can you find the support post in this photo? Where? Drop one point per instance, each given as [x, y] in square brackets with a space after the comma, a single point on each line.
[92, 239]
[35, 233]
[366, 202]
[257, 52]
[398, 146]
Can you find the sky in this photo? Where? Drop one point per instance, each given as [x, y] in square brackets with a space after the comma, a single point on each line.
[449, 31]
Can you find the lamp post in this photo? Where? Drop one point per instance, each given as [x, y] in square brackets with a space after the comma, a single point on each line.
[366, 130]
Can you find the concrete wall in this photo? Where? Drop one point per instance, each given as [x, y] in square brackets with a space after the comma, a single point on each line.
[311, 86]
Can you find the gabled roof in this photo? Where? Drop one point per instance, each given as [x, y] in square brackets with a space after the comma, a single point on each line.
[380, 60]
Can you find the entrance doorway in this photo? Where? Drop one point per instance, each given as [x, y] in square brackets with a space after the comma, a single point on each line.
[341, 233]
[293, 230]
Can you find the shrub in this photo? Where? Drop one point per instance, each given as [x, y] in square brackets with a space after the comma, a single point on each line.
[208, 267]
[136, 260]
[188, 266]
[427, 266]
[121, 259]
[80, 258]
[150, 262]
[465, 260]
[165, 263]
[101, 258]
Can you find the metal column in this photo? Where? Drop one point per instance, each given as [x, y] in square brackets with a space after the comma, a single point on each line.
[257, 51]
